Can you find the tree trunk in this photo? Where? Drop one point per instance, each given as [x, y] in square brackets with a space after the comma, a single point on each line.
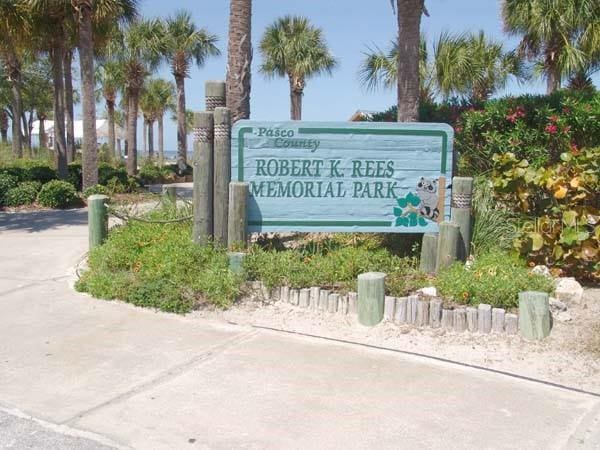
[110, 108]
[145, 136]
[60, 145]
[409, 27]
[239, 59]
[132, 115]
[14, 77]
[43, 135]
[4, 126]
[181, 124]
[553, 78]
[88, 98]
[296, 93]
[69, 109]
[151, 140]
[161, 142]
[26, 135]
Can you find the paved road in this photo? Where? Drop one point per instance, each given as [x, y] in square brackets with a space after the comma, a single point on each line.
[82, 373]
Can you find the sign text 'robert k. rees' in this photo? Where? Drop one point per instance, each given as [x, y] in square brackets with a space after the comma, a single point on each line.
[323, 176]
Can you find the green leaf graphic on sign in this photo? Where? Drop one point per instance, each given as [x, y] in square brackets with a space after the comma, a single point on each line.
[407, 214]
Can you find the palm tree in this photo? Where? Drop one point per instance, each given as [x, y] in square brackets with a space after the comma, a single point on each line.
[88, 13]
[560, 36]
[109, 75]
[138, 50]
[159, 97]
[292, 47]
[14, 26]
[185, 44]
[465, 65]
[380, 69]
[239, 59]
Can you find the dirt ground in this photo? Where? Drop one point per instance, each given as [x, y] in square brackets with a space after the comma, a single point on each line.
[569, 356]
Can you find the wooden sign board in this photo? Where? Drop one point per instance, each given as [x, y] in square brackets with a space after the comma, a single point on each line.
[344, 176]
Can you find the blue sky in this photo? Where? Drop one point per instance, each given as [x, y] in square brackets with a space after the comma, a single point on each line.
[349, 26]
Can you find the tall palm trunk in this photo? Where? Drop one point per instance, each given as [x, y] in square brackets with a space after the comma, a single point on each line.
[110, 108]
[181, 124]
[60, 145]
[409, 27]
[69, 108]
[296, 93]
[26, 134]
[161, 141]
[4, 126]
[132, 115]
[88, 99]
[239, 59]
[43, 135]
[145, 136]
[14, 77]
[151, 140]
[553, 78]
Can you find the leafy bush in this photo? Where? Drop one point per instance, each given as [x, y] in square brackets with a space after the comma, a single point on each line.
[94, 190]
[495, 278]
[329, 264]
[158, 266]
[151, 174]
[536, 128]
[23, 194]
[30, 170]
[57, 194]
[7, 182]
[75, 175]
[564, 201]
[107, 171]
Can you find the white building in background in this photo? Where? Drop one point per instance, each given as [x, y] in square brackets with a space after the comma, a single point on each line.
[101, 131]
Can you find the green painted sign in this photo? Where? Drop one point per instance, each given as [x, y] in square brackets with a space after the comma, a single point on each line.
[331, 176]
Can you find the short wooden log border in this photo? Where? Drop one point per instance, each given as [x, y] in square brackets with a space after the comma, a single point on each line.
[417, 311]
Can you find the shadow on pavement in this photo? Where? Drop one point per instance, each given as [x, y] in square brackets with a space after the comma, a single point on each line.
[36, 221]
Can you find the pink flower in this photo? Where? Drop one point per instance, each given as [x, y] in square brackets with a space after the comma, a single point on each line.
[551, 129]
[458, 129]
[554, 118]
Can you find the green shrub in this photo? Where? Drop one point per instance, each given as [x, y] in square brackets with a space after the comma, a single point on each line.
[57, 194]
[23, 194]
[150, 173]
[41, 173]
[560, 206]
[7, 182]
[495, 278]
[75, 175]
[329, 265]
[536, 128]
[108, 171]
[94, 190]
[157, 265]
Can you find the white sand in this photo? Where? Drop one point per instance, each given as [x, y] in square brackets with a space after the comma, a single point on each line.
[569, 356]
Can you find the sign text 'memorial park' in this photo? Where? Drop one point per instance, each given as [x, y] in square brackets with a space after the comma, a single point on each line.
[323, 176]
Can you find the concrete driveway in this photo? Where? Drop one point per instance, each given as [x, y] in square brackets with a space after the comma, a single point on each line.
[82, 373]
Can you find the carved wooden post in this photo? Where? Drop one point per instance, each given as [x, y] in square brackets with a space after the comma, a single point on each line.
[462, 194]
[221, 172]
[214, 93]
[203, 177]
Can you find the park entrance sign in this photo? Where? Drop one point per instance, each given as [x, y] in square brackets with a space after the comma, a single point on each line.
[344, 176]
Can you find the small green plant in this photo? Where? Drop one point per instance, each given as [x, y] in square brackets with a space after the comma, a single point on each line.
[57, 194]
[7, 182]
[150, 173]
[157, 266]
[94, 190]
[23, 194]
[495, 278]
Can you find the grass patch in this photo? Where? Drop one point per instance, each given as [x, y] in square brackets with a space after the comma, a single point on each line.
[157, 266]
[495, 278]
[334, 263]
